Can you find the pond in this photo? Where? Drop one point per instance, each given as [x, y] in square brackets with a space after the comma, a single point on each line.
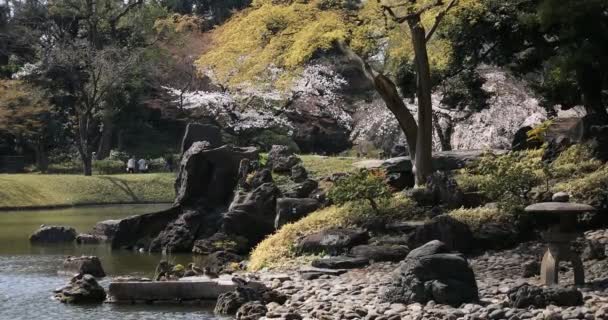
[28, 273]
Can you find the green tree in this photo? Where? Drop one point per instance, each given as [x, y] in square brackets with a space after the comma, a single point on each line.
[381, 36]
[560, 45]
[26, 114]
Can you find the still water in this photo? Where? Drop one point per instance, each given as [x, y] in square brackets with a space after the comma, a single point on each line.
[28, 273]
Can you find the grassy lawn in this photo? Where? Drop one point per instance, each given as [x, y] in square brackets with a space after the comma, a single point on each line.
[321, 166]
[40, 190]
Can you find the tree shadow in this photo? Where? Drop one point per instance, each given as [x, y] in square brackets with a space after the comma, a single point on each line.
[122, 185]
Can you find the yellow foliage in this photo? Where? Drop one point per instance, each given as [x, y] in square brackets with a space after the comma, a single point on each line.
[476, 217]
[278, 249]
[286, 34]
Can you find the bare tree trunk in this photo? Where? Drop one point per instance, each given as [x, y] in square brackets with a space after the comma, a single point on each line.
[42, 159]
[423, 166]
[105, 143]
[83, 144]
[391, 97]
[445, 136]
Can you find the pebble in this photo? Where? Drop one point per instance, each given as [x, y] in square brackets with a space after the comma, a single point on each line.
[357, 294]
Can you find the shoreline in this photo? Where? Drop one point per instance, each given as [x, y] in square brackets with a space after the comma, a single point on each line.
[78, 205]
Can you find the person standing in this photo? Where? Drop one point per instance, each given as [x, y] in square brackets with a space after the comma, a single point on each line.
[142, 165]
[131, 163]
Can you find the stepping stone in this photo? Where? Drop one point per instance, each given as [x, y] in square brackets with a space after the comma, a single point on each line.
[340, 263]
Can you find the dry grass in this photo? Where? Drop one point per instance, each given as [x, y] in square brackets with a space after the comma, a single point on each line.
[277, 251]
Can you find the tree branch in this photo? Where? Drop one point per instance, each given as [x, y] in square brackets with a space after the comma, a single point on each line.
[438, 19]
[410, 15]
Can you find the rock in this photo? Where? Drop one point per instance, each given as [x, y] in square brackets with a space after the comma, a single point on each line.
[201, 132]
[251, 311]
[281, 159]
[260, 177]
[560, 197]
[229, 303]
[205, 184]
[53, 234]
[594, 250]
[454, 234]
[332, 241]
[444, 278]
[379, 253]
[526, 295]
[521, 142]
[179, 235]
[292, 209]
[340, 262]
[85, 238]
[311, 273]
[399, 150]
[252, 214]
[83, 288]
[530, 269]
[221, 242]
[106, 229]
[84, 265]
[299, 173]
[429, 248]
[445, 190]
[495, 235]
[209, 175]
[302, 190]
[220, 262]
[442, 160]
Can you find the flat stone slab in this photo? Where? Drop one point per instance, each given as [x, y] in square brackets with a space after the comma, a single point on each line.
[559, 207]
[340, 263]
[189, 289]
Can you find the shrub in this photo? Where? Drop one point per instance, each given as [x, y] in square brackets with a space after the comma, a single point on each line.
[108, 166]
[576, 160]
[476, 217]
[360, 186]
[510, 177]
[278, 249]
[266, 139]
[591, 188]
[118, 155]
[538, 133]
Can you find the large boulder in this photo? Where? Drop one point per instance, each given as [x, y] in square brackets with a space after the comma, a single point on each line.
[53, 234]
[496, 236]
[179, 235]
[444, 278]
[332, 241]
[526, 295]
[82, 289]
[205, 184]
[427, 249]
[291, 209]
[201, 132]
[251, 214]
[220, 262]
[207, 176]
[454, 234]
[83, 265]
[282, 159]
[440, 189]
[302, 190]
[106, 229]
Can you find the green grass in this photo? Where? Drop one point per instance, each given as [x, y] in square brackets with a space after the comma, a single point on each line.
[41, 190]
[321, 166]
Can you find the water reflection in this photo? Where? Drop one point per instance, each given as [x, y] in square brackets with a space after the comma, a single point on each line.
[28, 273]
